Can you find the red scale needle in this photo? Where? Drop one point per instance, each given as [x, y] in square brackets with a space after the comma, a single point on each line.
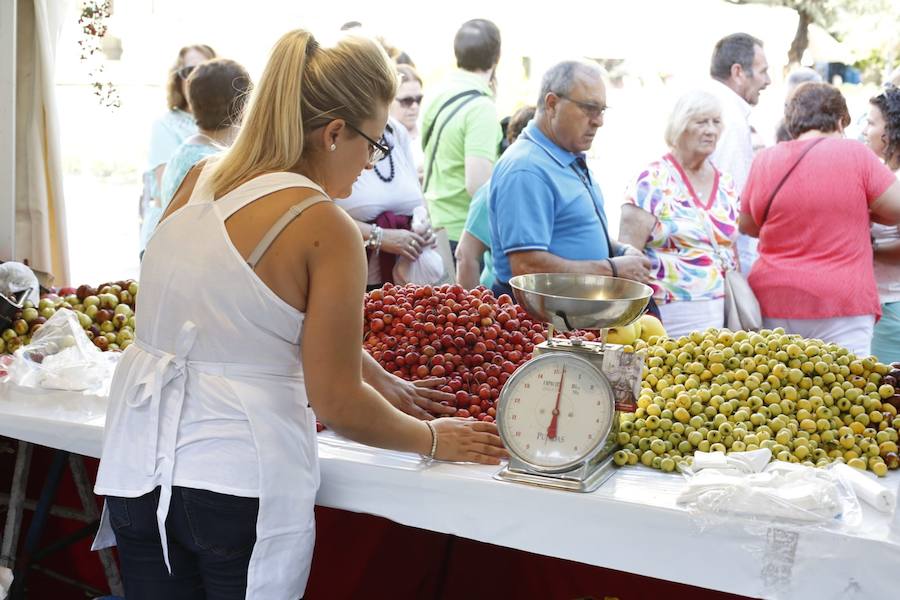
[551, 430]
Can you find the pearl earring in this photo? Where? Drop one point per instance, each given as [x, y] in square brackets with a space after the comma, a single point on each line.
[333, 148]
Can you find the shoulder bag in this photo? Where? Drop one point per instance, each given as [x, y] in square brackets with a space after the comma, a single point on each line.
[741, 306]
[468, 96]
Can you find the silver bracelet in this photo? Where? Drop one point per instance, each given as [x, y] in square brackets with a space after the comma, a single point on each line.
[374, 233]
[431, 454]
[379, 239]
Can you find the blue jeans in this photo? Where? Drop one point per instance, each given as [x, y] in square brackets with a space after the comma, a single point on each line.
[211, 537]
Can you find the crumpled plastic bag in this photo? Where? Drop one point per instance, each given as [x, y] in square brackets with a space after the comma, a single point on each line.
[61, 357]
[16, 277]
[428, 268]
[6, 579]
[780, 491]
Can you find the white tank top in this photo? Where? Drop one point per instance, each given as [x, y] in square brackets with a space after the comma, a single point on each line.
[212, 395]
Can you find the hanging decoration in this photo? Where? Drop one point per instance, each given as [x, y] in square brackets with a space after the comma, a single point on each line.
[92, 20]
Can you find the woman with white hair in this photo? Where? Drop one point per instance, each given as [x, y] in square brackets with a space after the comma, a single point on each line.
[682, 212]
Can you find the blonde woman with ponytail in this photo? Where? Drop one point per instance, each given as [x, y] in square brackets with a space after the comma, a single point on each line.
[251, 292]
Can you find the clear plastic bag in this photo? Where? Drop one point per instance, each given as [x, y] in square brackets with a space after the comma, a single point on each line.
[781, 492]
[6, 579]
[428, 268]
[61, 357]
[16, 279]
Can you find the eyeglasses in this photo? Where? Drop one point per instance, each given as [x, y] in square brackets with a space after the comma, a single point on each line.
[377, 150]
[184, 72]
[591, 110]
[408, 101]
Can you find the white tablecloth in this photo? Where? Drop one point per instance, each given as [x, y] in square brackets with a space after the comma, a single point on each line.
[632, 523]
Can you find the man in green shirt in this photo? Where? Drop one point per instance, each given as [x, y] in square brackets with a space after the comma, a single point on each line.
[461, 131]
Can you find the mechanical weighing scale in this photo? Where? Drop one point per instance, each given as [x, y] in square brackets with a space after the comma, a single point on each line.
[559, 413]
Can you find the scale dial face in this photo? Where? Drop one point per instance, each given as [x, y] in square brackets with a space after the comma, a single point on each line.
[556, 412]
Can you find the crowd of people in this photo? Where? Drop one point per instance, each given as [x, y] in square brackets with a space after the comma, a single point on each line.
[341, 172]
[538, 207]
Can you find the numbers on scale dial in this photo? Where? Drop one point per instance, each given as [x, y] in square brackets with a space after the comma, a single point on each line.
[551, 425]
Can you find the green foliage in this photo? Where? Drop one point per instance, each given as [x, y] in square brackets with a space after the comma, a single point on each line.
[837, 17]
[830, 15]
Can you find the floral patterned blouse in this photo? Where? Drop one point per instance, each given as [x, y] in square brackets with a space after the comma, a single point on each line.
[687, 265]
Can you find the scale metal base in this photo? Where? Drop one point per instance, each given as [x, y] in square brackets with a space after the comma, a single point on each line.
[619, 370]
[585, 478]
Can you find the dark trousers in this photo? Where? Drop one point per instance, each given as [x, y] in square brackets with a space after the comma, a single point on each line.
[500, 288]
[210, 535]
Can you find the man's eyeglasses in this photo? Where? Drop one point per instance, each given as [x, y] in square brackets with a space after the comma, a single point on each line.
[408, 101]
[377, 150]
[591, 110]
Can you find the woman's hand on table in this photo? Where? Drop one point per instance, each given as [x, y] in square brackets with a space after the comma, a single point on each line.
[468, 440]
[404, 242]
[420, 399]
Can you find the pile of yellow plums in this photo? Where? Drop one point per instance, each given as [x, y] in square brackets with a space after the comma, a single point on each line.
[808, 401]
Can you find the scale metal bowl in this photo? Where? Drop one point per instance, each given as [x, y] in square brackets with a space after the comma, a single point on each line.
[570, 301]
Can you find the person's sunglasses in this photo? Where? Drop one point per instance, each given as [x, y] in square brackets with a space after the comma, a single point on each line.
[377, 150]
[591, 110]
[408, 101]
[184, 72]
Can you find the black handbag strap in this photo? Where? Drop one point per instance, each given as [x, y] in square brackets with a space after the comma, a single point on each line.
[427, 134]
[786, 175]
[581, 169]
[469, 96]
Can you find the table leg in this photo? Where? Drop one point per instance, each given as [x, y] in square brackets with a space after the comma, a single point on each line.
[33, 537]
[16, 506]
[89, 504]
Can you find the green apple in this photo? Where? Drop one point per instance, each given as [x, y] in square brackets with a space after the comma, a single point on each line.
[124, 309]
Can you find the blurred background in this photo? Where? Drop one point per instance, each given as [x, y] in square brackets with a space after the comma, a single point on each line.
[652, 49]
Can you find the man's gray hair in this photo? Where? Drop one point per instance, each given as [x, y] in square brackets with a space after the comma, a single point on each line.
[801, 75]
[561, 77]
[734, 49]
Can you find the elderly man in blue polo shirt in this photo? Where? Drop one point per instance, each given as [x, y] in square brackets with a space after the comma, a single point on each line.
[546, 210]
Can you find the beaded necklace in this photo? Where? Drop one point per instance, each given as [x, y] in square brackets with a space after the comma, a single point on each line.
[390, 157]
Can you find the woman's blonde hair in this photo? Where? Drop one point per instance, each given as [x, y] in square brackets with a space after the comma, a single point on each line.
[688, 106]
[304, 86]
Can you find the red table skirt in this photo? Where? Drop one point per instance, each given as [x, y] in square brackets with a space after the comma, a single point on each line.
[361, 556]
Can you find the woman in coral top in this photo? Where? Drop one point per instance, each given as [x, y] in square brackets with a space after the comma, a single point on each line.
[810, 202]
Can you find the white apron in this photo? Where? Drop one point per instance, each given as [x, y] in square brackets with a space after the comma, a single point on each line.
[207, 327]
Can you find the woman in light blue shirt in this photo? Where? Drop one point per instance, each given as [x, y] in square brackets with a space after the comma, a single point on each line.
[474, 249]
[170, 129]
[216, 93]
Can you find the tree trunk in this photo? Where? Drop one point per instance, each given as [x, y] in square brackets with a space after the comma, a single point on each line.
[801, 38]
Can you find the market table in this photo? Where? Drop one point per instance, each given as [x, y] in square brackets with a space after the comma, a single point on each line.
[632, 523]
